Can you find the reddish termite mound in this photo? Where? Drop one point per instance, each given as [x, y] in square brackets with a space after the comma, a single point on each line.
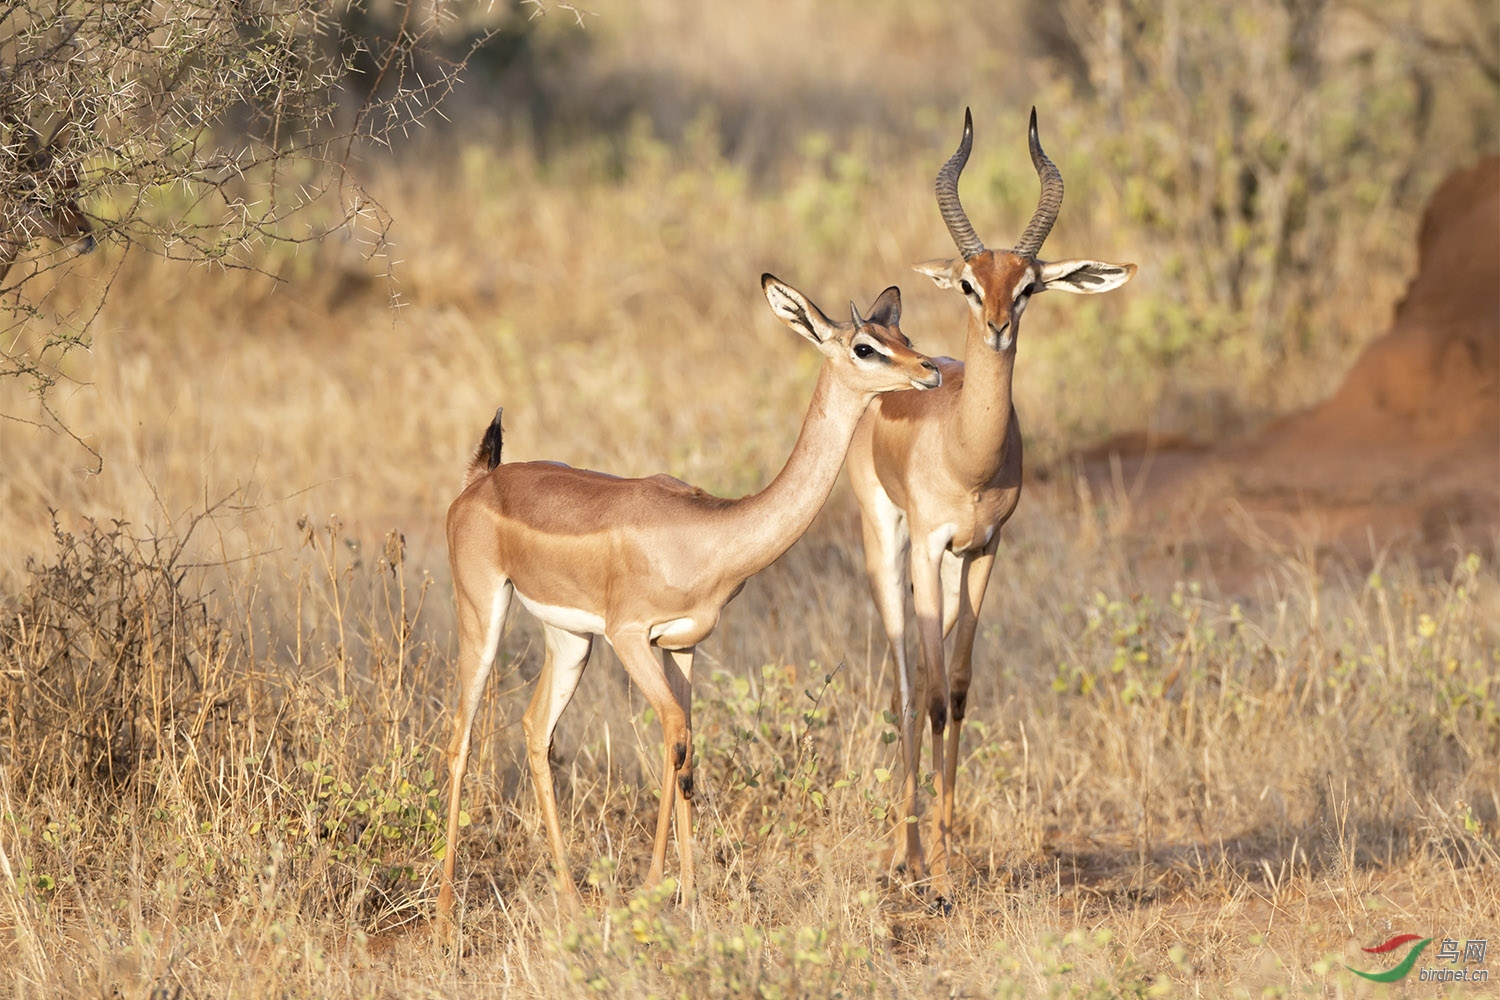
[1403, 457]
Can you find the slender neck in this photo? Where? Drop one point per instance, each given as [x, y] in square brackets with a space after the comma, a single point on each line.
[977, 449]
[759, 528]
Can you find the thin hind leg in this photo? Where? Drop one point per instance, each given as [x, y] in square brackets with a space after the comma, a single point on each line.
[567, 655]
[481, 619]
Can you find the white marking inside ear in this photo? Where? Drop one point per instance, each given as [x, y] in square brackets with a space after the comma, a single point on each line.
[1084, 277]
[944, 273]
[793, 310]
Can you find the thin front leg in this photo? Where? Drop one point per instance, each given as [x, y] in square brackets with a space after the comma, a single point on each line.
[634, 649]
[678, 664]
[567, 655]
[886, 546]
[976, 577]
[481, 618]
[927, 597]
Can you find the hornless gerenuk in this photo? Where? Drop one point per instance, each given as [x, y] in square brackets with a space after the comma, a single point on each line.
[645, 563]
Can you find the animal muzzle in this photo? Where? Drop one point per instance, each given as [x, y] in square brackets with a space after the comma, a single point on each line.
[930, 382]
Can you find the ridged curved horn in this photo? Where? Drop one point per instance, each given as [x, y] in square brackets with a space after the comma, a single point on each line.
[1051, 200]
[947, 195]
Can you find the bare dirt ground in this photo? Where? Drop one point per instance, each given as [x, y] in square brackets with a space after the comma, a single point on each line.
[1404, 456]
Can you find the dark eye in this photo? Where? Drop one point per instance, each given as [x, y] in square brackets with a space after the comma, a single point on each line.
[863, 350]
[967, 288]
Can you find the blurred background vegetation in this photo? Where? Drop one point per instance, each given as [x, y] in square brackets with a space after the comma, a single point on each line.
[334, 237]
[1264, 162]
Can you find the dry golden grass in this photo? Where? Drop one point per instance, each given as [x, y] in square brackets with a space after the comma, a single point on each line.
[1162, 791]
[221, 769]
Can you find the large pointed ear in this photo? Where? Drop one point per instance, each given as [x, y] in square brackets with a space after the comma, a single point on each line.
[887, 308]
[796, 310]
[944, 273]
[1084, 277]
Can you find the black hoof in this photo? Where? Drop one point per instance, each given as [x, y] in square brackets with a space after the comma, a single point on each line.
[942, 906]
[685, 782]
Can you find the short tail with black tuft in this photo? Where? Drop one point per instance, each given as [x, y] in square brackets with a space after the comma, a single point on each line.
[487, 456]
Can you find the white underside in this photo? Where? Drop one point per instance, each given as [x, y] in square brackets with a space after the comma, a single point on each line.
[567, 619]
[668, 634]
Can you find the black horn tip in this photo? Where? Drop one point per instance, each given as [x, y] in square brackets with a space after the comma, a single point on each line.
[965, 143]
[1031, 133]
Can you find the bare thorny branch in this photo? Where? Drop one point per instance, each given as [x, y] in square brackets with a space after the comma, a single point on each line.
[201, 131]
